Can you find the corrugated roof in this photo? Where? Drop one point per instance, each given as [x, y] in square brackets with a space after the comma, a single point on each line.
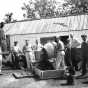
[48, 25]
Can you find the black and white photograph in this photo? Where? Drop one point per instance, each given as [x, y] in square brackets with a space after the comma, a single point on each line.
[44, 44]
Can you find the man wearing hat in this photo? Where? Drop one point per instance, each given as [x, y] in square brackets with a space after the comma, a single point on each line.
[84, 48]
[16, 51]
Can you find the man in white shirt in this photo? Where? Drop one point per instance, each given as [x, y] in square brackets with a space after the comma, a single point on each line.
[16, 48]
[28, 52]
[25, 47]
[60, 54]
[40, 46]
[16, 51]
[49, 47]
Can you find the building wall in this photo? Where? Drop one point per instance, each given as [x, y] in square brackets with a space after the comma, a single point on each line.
[32, 37]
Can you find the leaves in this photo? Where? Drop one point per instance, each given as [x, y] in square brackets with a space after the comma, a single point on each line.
[44, 8]
[50, 8]
[81, 6]
[8, 17]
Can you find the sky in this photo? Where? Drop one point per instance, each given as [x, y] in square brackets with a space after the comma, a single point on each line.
[7, 6]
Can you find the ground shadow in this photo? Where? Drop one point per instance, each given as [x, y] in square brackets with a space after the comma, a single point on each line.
[86, 82]
[81, 77]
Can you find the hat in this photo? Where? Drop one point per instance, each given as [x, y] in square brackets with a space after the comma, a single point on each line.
[26, 40]
[15, 41]
[84, 35]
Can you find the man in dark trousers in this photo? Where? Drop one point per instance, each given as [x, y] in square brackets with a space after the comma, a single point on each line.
[73, 46]
[84, 48]
[16, 51]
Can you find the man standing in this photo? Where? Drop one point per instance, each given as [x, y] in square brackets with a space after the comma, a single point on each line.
[84, 47]
[60, 53]
[2, 36]
[16, 47]
[16, 51]
[73, 43]
[26, 50]
[25, 47]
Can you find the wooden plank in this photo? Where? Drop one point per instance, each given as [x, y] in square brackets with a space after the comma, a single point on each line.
[22, 74]
[49, 73]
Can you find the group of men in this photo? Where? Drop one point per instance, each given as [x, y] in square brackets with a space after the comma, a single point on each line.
[50, 48]
[71, 54]
[27, 51]
[66, 54]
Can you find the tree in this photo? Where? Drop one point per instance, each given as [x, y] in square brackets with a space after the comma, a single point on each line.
[47, 8]
[78, 6]
[8, 17]
[39, 8]
[29, 11]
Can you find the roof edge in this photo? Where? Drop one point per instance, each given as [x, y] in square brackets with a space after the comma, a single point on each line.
[45, 32]
[46, 18]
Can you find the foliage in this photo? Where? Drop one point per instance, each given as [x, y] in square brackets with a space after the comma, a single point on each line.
[39, 8]
[8, 17]
[47, 8]
[78, 6]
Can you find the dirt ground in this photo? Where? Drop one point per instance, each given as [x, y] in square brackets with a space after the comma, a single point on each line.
[7, 80]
